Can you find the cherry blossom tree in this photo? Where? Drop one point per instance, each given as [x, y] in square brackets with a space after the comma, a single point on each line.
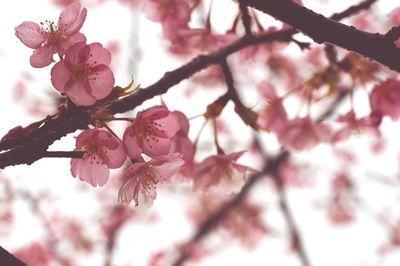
[271, 98]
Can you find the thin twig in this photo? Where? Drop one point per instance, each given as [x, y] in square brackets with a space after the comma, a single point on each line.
[246, 19]
[29, 148]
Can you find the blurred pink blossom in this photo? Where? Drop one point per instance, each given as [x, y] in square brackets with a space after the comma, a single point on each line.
[220, 172]
[273, 117]
[302, 133]
[385, 98]
[172, 14]
[181, 143]
[36, 254]
[355, 125]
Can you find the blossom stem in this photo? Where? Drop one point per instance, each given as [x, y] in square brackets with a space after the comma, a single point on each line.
[121, 119]
[64, 154]
[196, 116]
[215, 126]
[111, 131]
[198, 134]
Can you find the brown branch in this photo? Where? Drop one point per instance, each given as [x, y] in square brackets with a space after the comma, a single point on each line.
[246, 19]
[292, 226]
[8, 259]
[393, 34]
[325, 30]
[63, 154]
[353, 10]
[215, 218]
[270, 169]
[28, 148]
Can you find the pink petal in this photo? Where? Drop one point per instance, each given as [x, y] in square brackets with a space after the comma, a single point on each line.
[131, 145]
[30, 34]
[171, 167]
[233, 156]
[75, 163]
[129, 191]
[116, 157]
[101, 81]
[155, 112]
[94, 174]
[342, 134]
[60, 76]
[78, 94]
[73, 54]
[154, 146]
[72, 18]
[107, 139]
[84, 137]
[98, 55]
[42, 57]
[147, 197]
[183, 121]
[268, 91]
[69, 41]
[170, 126]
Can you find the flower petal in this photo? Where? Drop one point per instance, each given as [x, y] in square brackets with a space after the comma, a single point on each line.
[98, 55]
[30, 34]
[101, 81]
[116, 157]
[42, 56]
[131, 144]
[69, 41]
[72, 18]
[60, 75]
[78, 94]
[89, 171]
[170, 125]
[154, 146]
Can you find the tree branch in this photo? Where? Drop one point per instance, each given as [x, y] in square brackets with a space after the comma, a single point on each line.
[325, 30]
[28, 148]
[215, 218]
[8, 259]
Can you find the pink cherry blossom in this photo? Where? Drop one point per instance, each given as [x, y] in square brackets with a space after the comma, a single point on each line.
[172, 14]
[355, 125]
[245, 222]
[141, 179]
[339, 213]
[302, 133]
[35, 253]
[187, 41]
[103, 152]
[394, 237]
[151, 132]
[385, 98]
[49, 38]
[181, 143]
[84, 75]
[220, 173]
[394, 16]
[273, 117]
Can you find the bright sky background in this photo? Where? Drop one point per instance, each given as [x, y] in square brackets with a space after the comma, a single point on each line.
[354, 244]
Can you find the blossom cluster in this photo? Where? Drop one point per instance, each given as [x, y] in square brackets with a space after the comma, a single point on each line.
[156, 141]
[155, 145]
[293, 133]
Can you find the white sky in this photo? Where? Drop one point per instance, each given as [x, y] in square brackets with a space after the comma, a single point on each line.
[350, 245]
